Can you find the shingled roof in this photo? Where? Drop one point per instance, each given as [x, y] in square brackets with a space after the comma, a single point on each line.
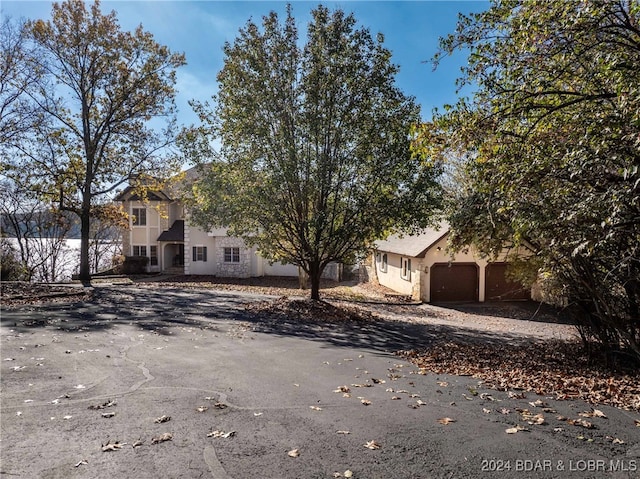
[175, 233]
[414, 246]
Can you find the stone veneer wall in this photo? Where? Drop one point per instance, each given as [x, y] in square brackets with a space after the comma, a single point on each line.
[232, 270]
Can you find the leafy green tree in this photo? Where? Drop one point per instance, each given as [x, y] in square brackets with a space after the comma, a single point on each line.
[552, 150]
[97, 91]
[315, 144]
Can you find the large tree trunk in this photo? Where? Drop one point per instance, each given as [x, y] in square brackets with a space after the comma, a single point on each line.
[85, 271]
[315, 272]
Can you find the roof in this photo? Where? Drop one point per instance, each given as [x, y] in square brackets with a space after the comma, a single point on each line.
[175, 233]
[129, 194]
[414, 246]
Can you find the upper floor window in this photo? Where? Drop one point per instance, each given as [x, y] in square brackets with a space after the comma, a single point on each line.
[232, 255]
[139, 216]
[199, 253]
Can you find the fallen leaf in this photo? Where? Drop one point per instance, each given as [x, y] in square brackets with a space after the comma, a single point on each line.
[504, 410]
[486, 411]
[67, 417]
[582, 423]
[636, 422]
[513, 395]
[446, 420]
[220, 405]
[202, 408]
[618, 441]
[162, 438]
[348, 473]
[108, 414]
[366, 402]
[395, 398]
[19, 413]
[81, 463]
[343, 432]
[389, 390]
[315, 408]
[256, 414]
[414, 395]
[487, 397]
[138, 443]
[443, 384]
[342, 389]
[112, 446]
[103, 405]
[80, 386]
[162, 419]
[294, 453]
[372, 445]
[513, 430]
[378, 381]
[420, 402]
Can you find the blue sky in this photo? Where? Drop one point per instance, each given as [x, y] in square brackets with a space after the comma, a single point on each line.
[200, 28]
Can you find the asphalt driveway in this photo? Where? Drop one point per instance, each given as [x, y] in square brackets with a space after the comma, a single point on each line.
[253, 399]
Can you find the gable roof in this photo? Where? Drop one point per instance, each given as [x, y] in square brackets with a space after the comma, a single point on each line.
[414, 246]
[175, 233]
[129, 194]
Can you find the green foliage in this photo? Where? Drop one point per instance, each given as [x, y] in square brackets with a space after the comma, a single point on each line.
[552, 150]
[315, 144]
[11, 269]
[96, 90]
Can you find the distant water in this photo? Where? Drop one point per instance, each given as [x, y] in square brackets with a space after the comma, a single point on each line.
[67, 262]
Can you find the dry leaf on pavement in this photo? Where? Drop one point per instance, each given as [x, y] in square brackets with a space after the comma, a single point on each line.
[162, 419]
[372, 445]
[446, 420]
[112, 446]
[294, 453]
[162, 438]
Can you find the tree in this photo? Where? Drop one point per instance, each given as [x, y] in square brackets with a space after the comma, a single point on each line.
[37, 234]
[18, 73]
[99, 88]
[553, 152]
[315, 144]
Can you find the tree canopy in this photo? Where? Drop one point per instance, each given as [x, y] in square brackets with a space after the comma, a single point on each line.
[96, 91]
[315, 161]
[552, 152]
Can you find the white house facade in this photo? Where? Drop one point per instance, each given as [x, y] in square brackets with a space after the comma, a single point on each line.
[159, 229]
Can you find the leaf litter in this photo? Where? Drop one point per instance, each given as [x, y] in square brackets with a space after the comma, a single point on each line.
[551, 368]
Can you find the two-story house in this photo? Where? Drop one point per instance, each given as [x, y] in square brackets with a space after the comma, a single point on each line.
[159, 229]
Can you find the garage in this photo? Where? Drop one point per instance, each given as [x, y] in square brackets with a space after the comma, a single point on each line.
[499, 288]
[454, 282]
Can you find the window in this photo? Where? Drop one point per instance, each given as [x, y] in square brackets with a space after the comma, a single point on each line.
[383, 263]
[232, 255]
[153, 255]
[139, 216]
[139, 250]
[199, 253]
[405, 268]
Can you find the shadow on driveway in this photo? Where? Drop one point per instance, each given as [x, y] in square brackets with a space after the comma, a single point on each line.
[162, 309]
